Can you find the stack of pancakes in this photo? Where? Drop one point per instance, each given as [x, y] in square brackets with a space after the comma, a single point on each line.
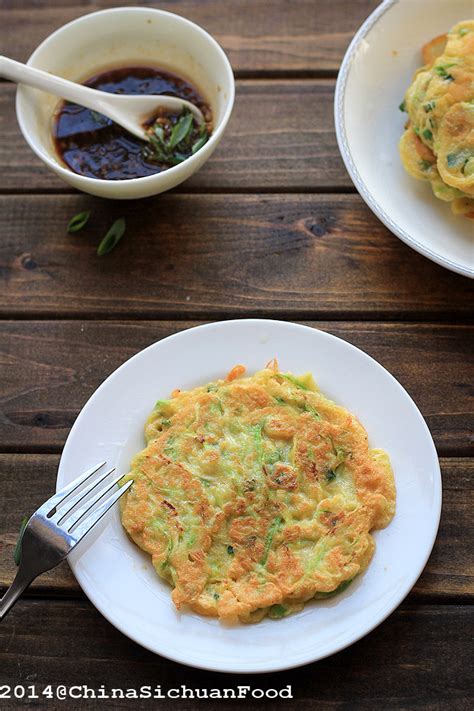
[438, 142]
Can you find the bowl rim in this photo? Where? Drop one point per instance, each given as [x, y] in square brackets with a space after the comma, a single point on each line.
[86, 181]
[343, 143]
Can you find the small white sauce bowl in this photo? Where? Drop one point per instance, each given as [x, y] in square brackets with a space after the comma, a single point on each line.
[120, 37]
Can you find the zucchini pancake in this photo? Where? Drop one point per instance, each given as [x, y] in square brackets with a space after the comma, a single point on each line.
[438, 143]
[255, 495]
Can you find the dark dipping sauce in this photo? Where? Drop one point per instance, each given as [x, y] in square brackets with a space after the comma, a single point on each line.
[92, 145]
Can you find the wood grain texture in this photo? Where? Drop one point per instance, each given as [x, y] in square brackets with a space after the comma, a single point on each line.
[267, 245]
[27, 480]
[306, 256]
[385, 668]
[257, 35]
[52, 367]
[280, 137]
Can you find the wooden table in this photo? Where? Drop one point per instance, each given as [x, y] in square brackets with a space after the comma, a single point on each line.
[271, 227]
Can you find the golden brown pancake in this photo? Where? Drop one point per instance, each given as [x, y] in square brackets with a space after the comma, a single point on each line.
[440, 105]
[255, 495]
[456, 147]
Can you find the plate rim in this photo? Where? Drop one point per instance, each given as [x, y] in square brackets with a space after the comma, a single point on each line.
[343, 143]
[267, 667]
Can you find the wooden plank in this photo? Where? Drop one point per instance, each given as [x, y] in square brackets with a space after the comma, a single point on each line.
[280, 136]
[453, 556]
[200, 256]
[27, 480]
[419, 658]
[281, 36]
[51, 368]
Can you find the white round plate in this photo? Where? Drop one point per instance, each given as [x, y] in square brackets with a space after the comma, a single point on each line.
[376, 71]
[119, 578]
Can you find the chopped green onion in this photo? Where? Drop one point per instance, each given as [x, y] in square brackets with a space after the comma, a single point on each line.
[79, 221]
[230, 550]
[159, 150]
[199, 143]
[441, 72]
[176, 158]
[292, 379]
[169, 450]
[428, 134]
[425, 164]
[181, 130]
[273, 458]
[312, 411]
[402, 106]
[159, 133]
[112, 238]
[269, 538]
[461, 158]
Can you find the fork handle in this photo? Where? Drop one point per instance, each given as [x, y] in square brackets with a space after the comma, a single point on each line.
[19, 584]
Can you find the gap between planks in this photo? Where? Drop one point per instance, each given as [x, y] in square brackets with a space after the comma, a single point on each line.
[445, 319]
[194, 190]
[411, 600]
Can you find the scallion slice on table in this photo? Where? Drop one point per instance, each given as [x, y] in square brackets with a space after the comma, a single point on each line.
[112, 238]
[79, 221]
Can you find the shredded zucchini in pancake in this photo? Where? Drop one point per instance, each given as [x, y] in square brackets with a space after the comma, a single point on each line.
[255, 495]
[438, 143]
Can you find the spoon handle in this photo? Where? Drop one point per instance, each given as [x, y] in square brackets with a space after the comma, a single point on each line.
[22, 73]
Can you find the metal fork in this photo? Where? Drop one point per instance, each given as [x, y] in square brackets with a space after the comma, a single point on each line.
[58, 526]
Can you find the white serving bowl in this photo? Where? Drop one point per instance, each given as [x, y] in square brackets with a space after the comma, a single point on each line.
[377, 70]
[119, 37]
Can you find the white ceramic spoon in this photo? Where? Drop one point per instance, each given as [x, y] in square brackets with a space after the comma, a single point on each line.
[129, 111]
